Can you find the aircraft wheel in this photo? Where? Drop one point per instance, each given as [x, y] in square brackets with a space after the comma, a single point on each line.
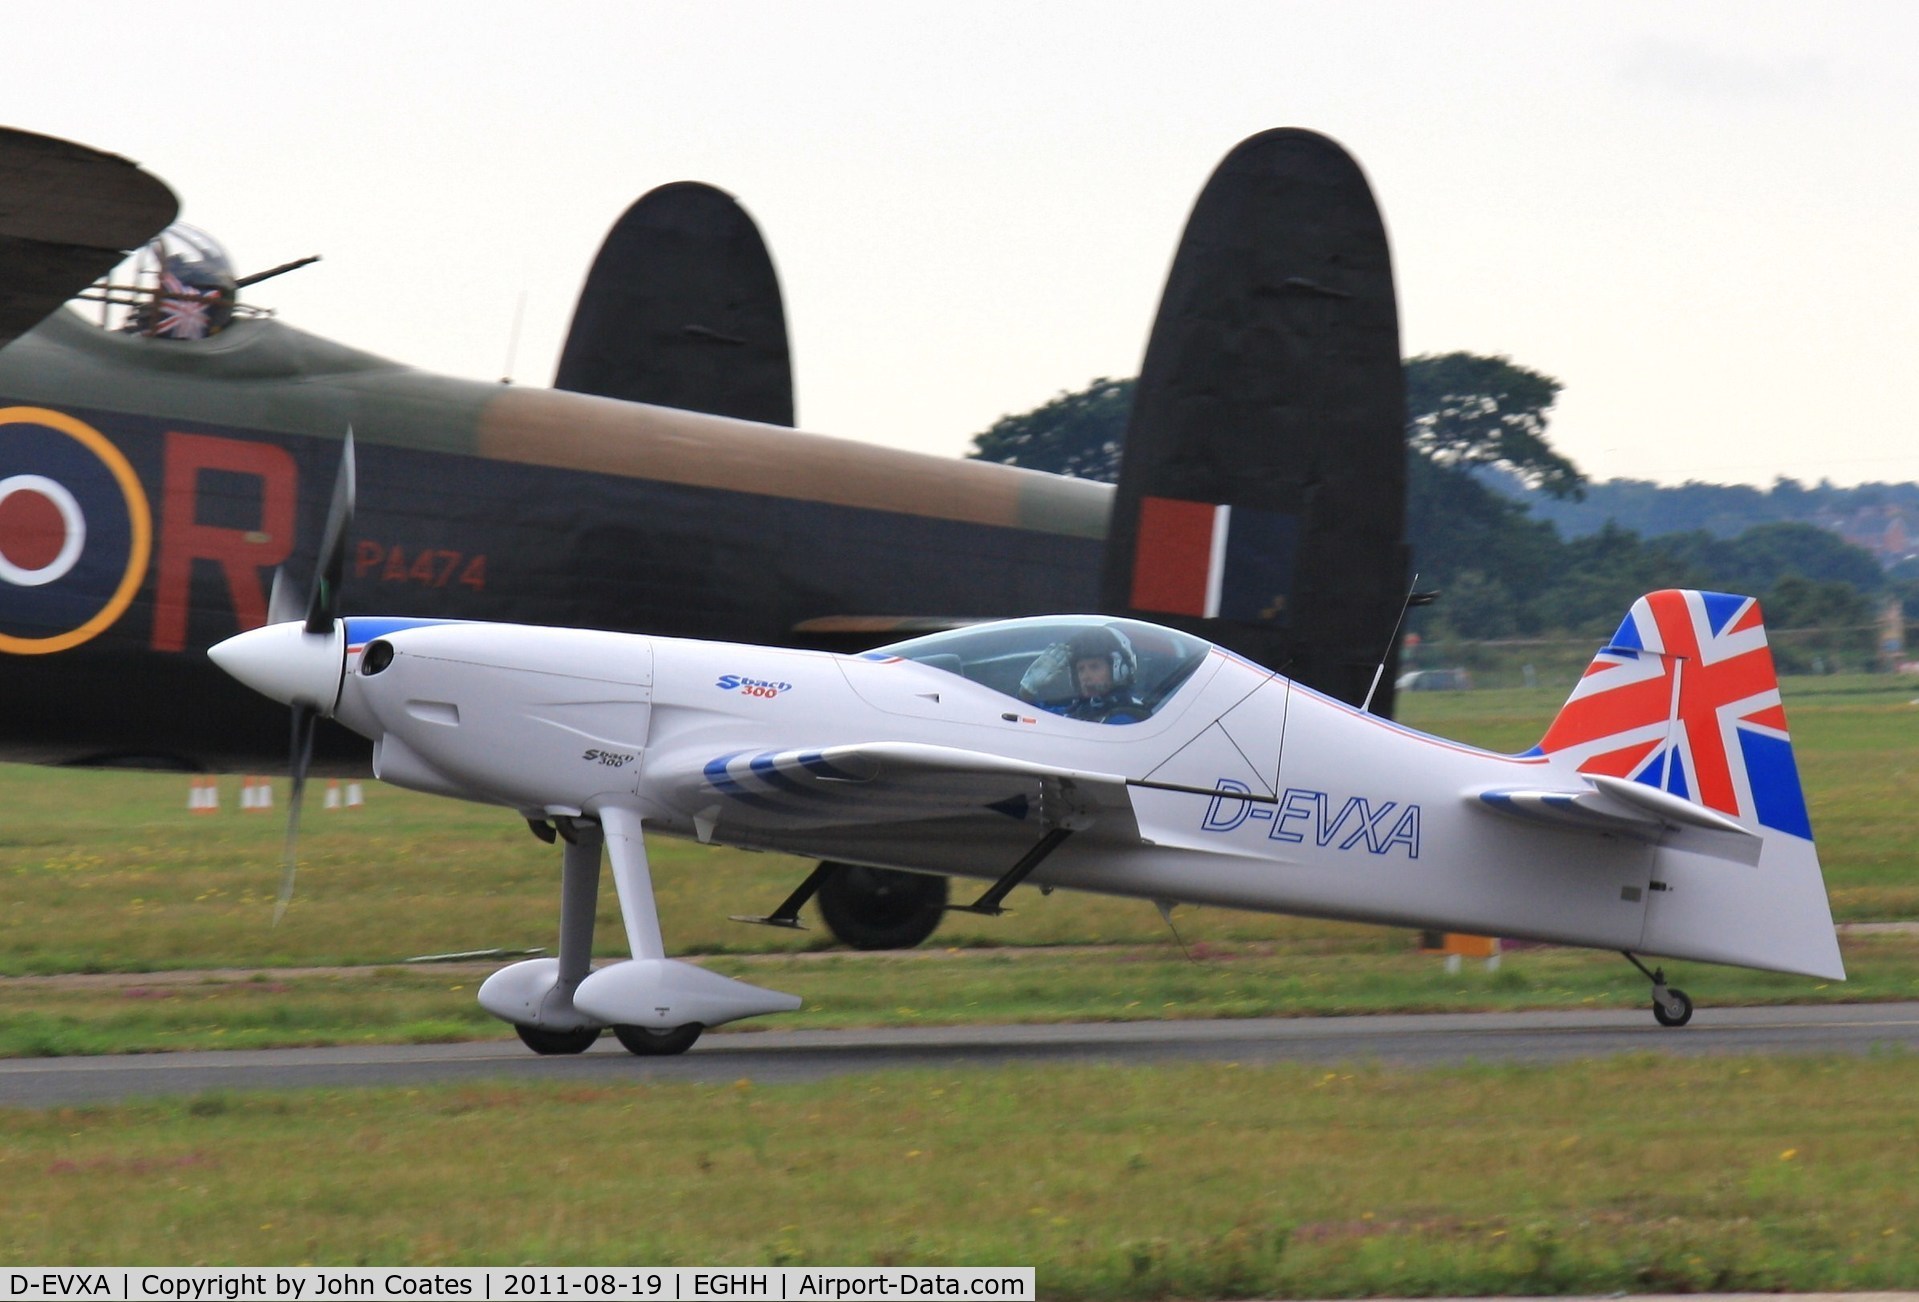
[1668, 1017]
[577, 1039]
[648, 1043]
[880, 908]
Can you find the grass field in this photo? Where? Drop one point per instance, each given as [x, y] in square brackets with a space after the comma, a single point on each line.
[1364, 973]
[1634, 1174]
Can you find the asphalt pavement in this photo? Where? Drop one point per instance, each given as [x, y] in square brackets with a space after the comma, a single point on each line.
[776, 1056]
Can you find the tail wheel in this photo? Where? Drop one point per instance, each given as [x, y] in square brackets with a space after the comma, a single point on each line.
[648, 1043]
[1670, 1004]
[545, 1042]
[880, 908]
[1674, 1010]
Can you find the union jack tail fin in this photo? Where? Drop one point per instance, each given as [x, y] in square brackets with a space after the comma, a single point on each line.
[1685, 699]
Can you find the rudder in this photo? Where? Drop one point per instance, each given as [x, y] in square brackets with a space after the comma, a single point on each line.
[1685, 699]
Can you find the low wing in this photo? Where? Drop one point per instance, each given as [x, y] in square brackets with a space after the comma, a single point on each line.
[68, 214]
[1619, 807]
[900, 782]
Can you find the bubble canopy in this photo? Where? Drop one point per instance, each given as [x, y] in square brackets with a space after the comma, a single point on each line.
[191, 253]
[1032, 660]
[179, 285]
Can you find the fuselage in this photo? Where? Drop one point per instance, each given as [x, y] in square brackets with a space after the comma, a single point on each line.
[1361, 819]
[1225, 784]
[191, 471]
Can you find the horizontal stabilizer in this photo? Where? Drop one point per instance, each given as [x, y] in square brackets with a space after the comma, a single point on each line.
[1675, 811]
[67, 215]
[1616, 807]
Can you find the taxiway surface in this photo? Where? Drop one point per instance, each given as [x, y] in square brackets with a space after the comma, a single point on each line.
[775, 1056]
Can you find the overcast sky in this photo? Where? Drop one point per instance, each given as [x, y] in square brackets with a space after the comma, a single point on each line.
[1700, 217]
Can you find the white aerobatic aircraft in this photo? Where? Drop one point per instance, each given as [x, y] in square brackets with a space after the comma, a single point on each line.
[1661, 814]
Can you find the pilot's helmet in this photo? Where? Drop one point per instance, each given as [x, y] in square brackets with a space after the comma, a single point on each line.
[1110, 645]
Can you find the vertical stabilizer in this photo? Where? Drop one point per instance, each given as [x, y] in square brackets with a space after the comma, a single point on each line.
[1684, 699]
[1261, 498]
[683, 309]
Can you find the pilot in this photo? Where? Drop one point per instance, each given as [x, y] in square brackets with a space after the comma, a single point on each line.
[1088, 676]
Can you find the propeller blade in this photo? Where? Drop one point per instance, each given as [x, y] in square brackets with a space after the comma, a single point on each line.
[322, 614]
[283, 605]
[323, 606]
[306, 721]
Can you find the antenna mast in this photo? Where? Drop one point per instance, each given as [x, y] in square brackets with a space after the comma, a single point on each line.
[1413, 598]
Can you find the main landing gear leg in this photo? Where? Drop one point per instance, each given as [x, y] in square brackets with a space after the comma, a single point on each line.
[655, 1005]
[634, 882]
[1670, 1005]
[988, 904]
[579, 898]
[867, 908]
[788, 914]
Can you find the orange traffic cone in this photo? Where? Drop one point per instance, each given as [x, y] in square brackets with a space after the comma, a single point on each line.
[256, 794]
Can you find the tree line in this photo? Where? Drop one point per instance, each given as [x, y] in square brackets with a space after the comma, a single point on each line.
[1488, 504]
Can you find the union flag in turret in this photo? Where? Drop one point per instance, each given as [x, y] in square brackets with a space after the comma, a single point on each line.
[183, 309]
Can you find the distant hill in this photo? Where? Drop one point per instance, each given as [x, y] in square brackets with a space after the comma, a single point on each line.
[1880, 518]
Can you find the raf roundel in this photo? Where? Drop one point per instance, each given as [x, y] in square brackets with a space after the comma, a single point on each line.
[42, 530]
[75, 532]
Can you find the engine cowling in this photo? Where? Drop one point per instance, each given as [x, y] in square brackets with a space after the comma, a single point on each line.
[517, 715]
